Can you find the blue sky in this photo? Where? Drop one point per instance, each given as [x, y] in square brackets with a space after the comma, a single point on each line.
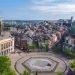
[37, 9]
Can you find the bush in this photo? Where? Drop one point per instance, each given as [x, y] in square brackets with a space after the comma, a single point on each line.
[46, 46]
[69, 52]
[60, 73]
[57, 49]
[72, 65]
[32, 46]
[26, 73]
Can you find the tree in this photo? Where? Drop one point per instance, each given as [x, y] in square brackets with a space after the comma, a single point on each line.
[72, 65]
[5, 66]
[26, 73]
[10, 72]
[33, 46]
[4, 63]
[70, 52]
[57, 48]
[71, 70]
[46, 47]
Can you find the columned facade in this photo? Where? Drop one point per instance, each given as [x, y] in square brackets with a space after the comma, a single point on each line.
[6, 46]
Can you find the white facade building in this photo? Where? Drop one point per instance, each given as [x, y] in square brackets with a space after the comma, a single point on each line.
[6, 45]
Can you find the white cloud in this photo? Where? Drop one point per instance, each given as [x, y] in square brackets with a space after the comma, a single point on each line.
[60, 8]
[46, 6]
[45, 2]
[42, 1]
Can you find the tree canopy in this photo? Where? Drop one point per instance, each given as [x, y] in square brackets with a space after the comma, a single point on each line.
[73, 64]
[5, 66]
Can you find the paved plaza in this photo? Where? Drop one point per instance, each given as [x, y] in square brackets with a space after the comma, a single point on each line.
[19, 58]
[40, 64]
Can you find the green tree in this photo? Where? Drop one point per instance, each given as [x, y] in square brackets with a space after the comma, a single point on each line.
[47, 47]
[10, 72]
[26, 73]
[5, 66]
[57, 48]
[33, 46]
[4, 63]
[72, 65]
[70, 52]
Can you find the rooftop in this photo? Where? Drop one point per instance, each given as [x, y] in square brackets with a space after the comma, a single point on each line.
[5, 35]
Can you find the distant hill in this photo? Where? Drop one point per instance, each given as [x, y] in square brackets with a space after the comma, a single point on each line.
[23, 21]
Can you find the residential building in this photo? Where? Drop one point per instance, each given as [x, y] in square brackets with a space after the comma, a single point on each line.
[69, 41]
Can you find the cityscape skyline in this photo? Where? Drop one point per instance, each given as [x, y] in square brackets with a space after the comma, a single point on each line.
[37, 9]
[37, 37]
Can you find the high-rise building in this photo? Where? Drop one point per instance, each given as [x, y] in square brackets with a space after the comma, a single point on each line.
[72, 19]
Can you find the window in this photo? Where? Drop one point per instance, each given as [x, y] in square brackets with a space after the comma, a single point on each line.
[74, 42]
[2, 53]
[11, 48]
[66, 41]
[1, 46]
[4, 45]
[11, 43]
[7, 44]
[7, 51]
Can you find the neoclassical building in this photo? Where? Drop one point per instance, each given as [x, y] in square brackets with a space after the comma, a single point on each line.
[6, 41]
[6, 45]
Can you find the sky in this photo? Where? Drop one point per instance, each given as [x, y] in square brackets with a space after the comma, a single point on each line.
[37, 9]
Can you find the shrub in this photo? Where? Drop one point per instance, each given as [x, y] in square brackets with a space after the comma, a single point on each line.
[60, 73]
[26, 73]
[32, 46]
[57, 49]
[69, 52]
[72, 65]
